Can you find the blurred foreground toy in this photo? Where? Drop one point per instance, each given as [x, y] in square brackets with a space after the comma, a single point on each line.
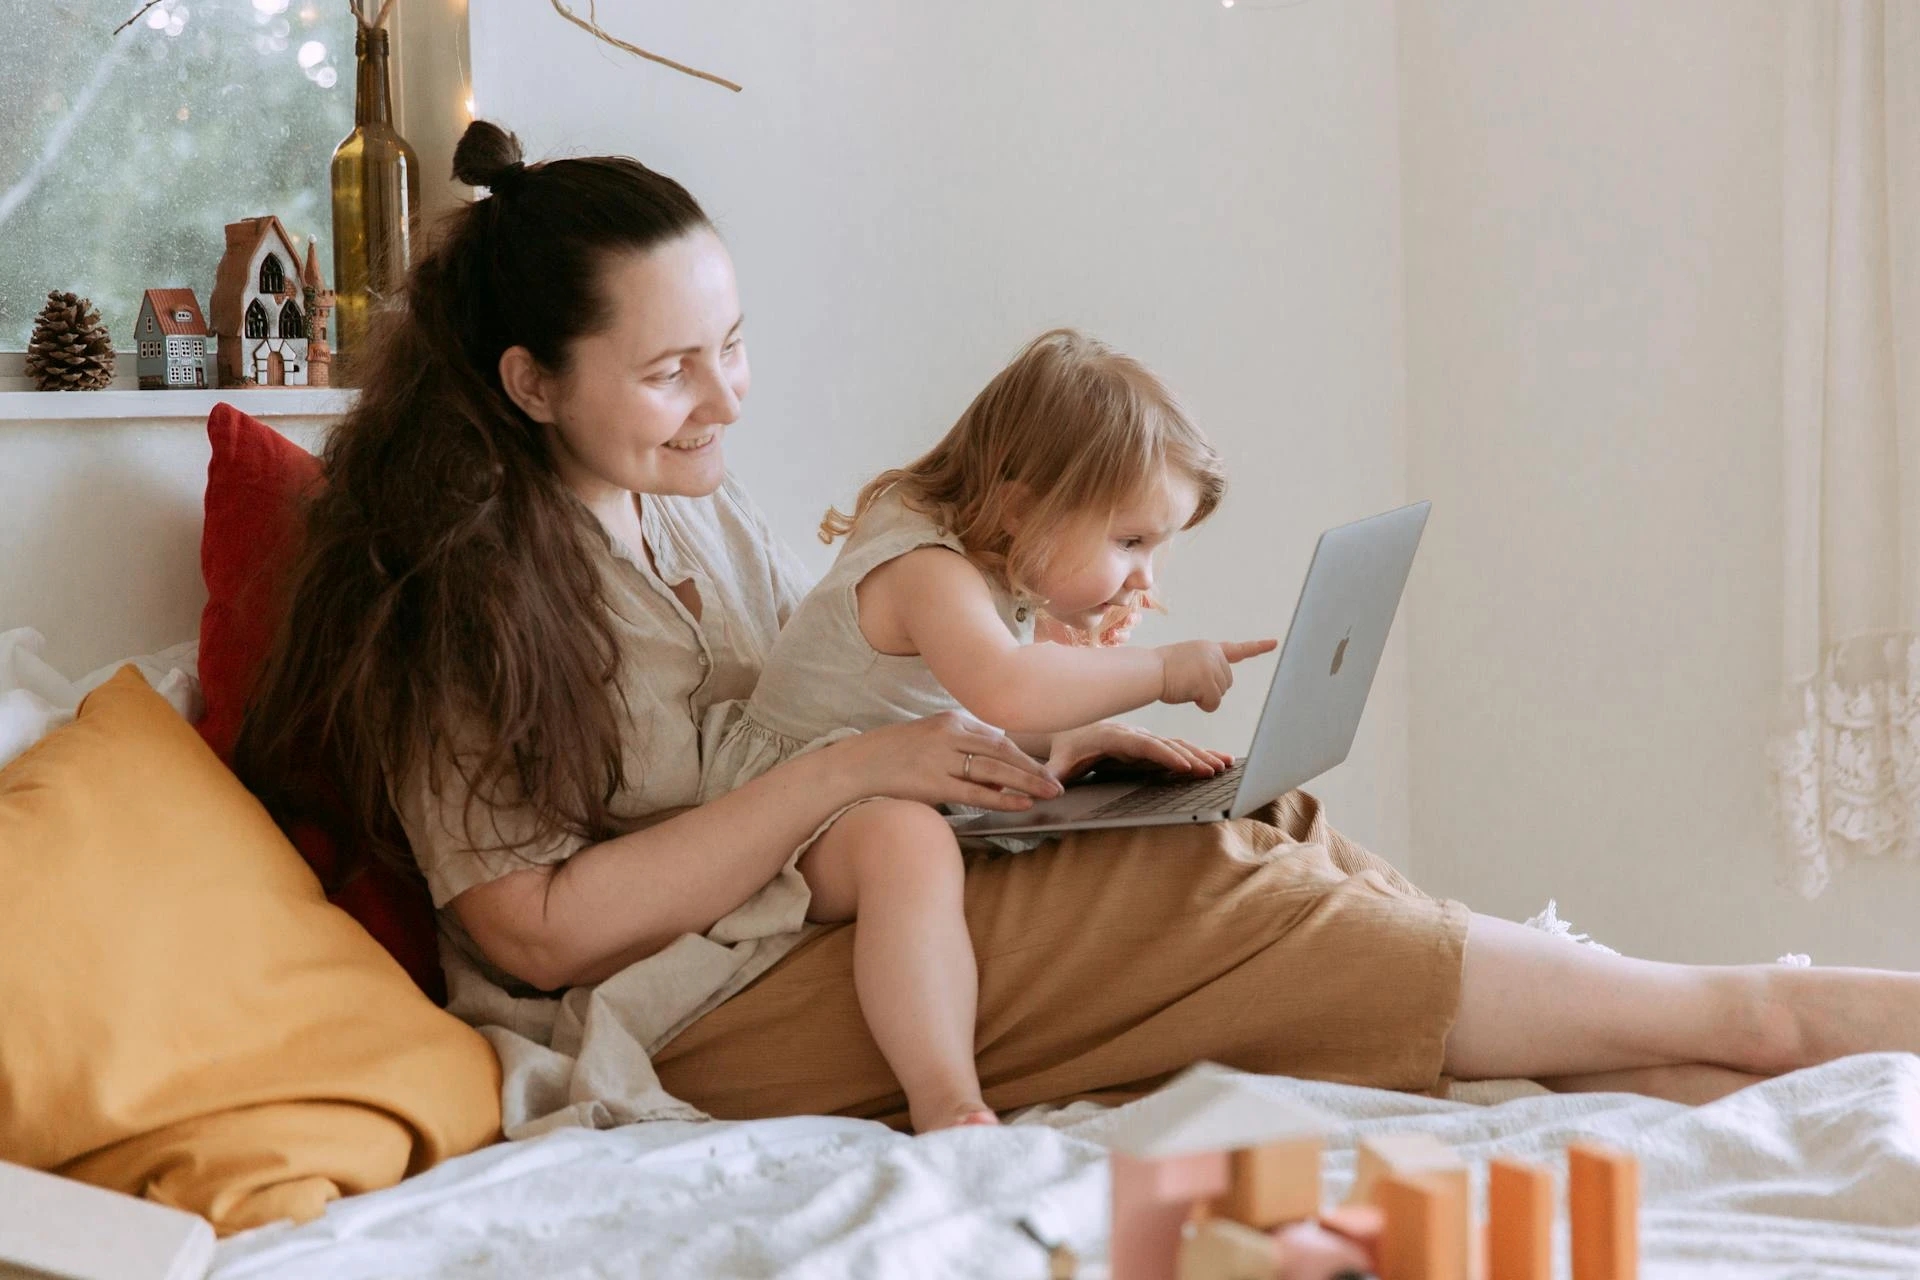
[1216, 1142]
[1214, 1180]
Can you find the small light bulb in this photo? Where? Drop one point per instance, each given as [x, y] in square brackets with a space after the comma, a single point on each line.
[1226, 4]
[469, 106]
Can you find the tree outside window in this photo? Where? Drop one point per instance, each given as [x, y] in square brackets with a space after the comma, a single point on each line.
[127, 155]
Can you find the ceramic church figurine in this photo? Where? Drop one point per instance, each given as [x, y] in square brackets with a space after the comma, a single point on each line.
[259, 308]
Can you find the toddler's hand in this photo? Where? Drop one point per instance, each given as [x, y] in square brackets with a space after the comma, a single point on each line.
[1201, 671]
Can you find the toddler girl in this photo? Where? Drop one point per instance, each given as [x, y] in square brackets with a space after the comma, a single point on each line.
[1050, 495]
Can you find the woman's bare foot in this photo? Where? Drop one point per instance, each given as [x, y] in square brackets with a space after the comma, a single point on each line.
[968, 1111]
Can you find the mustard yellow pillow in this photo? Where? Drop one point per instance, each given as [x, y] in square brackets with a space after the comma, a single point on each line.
[182, 1014]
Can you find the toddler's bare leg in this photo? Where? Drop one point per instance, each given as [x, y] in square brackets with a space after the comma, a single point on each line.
[894, 866]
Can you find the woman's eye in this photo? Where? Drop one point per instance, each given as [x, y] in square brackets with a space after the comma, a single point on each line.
[1131, 544]
[733, 346]
[665, 379]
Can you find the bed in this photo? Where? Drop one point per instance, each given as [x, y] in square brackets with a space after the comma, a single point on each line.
[1812, 1174]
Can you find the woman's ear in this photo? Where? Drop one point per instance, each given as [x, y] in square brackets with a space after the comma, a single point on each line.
[527, 384]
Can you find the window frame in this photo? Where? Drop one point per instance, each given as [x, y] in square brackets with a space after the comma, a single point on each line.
[432, 85]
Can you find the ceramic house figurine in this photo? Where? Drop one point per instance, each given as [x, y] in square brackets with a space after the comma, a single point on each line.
[319, 300]
[258, 310]
[170, 335]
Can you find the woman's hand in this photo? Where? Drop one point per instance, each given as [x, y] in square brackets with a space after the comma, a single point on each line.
[950, 758]
[1076, 749]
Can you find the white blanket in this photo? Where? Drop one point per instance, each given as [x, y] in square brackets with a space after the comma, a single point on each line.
[1813, 1174]
[36, 699]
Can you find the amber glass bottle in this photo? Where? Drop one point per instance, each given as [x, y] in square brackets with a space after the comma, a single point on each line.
[376, 199]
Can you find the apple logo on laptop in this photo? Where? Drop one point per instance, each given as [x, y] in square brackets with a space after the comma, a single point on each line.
[1339, 654]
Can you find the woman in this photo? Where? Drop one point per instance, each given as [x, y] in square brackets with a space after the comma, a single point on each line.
[528, 580]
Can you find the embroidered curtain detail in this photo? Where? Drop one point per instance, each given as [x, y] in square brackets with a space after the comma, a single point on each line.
[1846, 756]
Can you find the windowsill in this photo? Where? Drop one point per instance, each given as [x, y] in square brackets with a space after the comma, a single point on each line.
[261, 402]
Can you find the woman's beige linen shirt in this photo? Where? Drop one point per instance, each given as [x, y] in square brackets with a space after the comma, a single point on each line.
[583, 1057]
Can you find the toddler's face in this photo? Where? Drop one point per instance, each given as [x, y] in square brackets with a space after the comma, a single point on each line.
[1102, 564]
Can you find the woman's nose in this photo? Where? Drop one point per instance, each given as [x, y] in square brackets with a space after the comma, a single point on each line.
[719, 406]
[1141, 579]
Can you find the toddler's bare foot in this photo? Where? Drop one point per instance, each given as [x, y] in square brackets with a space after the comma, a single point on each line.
[969, 1111]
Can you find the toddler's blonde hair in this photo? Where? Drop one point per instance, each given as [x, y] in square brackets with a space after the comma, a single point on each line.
[1072, 427]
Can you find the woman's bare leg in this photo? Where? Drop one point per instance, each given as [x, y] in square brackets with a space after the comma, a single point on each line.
[1538, 1006]
[1693, 1083]
[894, 867]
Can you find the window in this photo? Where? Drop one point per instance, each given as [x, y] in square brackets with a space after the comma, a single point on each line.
[256, 319]
[271, 276]
[291, 325]
[126, 156]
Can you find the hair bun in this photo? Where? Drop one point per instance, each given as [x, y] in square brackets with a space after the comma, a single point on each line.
[486, 153]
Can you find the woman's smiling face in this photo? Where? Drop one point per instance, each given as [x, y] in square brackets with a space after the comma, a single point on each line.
[644, 403]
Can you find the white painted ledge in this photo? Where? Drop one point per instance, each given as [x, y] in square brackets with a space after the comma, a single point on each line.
[261, 402]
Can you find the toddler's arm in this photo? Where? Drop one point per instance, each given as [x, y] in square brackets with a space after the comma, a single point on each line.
[934, 603]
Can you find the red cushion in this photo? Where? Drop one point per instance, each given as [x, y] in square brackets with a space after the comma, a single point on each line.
[254, 483]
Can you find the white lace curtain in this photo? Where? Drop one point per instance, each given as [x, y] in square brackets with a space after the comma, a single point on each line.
[1847, 758]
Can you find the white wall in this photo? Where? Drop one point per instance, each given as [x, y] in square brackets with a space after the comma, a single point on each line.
[1592, 204]
[912, 190]
[100, 532]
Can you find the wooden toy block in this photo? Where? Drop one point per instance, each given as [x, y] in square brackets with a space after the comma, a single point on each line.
[1425, 1235]
[1222, 1249]
[1272, 1185]
[1603, 1206]
[1151, 1199]
[1172, 1149]
[1403, 1155]
[1360, 1223]
[1424, 1157]
[1519, 1221]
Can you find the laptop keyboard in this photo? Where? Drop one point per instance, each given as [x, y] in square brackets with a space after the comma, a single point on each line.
[1191, 796]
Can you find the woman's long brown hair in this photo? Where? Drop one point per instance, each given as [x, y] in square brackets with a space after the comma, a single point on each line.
[445, 606]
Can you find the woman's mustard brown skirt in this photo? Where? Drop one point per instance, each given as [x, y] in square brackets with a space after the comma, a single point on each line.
[1109, 961]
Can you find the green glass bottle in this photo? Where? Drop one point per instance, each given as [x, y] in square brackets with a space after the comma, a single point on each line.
[376, 199]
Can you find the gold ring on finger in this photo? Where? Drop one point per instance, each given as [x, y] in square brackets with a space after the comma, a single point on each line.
[966, 768]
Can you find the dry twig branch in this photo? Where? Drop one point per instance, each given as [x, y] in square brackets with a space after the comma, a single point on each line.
[360, 13]
[591, 23]
[136, 17]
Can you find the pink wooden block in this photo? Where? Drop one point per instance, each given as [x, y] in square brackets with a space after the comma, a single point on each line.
[1151, 1200]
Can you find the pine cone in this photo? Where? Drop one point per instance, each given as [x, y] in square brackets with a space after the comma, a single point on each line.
[70, 349]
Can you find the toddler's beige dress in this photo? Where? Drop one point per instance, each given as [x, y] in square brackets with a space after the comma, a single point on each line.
[824, 681]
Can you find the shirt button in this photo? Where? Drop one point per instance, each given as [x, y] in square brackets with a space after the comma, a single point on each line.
[1020, 614]
[705, 662]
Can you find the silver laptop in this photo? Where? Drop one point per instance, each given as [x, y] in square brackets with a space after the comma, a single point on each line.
[1313, 706]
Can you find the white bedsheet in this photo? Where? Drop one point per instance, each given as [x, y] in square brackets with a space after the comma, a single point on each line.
[1813, 1174]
